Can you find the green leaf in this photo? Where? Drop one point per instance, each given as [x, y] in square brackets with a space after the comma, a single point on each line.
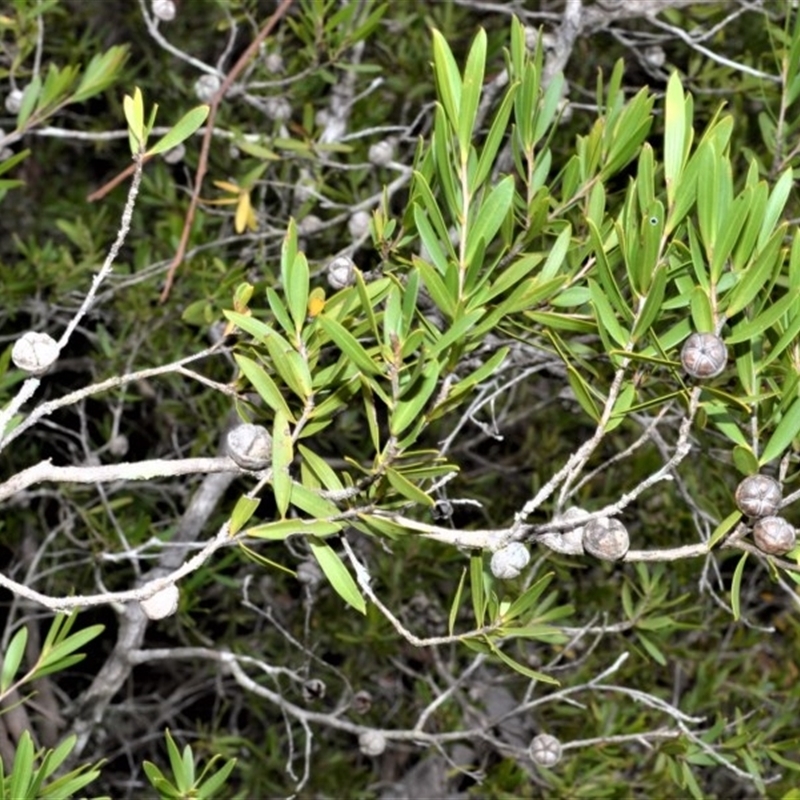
[557, 254]
[255, 327]
[100, 73]
[52, 655]
[652, 304]
[448, 81]
[29, 98]
[730, 232]
[282, 455]
[520, 668]
[787, 429]
[492, 213]
[410, 406]
[471, 92]
[22, 771]
[451, 622]
[181, 131]
[264, 385]
[242, 512]
[757, 275]
[651, 648]
[722, 530]
[751, 329]
[296, 289]
[436, 287]
[675, 129]
[583, 394]
[337, 574]
[745, 460]
[13, 658]
[312, 502]
[321, 468]
[407, 489]
[605, 315]
[775, 205]
[291, 366]
[528, 598]
[177, 764]
[283, 528]
[211, 786]
[477, 588]
[494, 139]
[702, 313]
[133, 108]
[349, 345]
[430, 241]
[736, 587]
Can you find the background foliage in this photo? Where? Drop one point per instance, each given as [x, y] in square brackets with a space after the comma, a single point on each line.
[447, 254]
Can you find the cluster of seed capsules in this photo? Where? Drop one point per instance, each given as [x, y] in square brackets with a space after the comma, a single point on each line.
[758, 497]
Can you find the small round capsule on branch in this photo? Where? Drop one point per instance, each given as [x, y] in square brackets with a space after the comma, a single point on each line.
[774, 536]
[13, 101]
[704, 355]
[206, 86]
[35, 352]
[381, 153]
[358, 224]
[759, 496]
[250, 446]
[163, 603]
[509, 561]
[372, 743]
[606, 538]
[164, 10]
[341, 272]
[545, 750]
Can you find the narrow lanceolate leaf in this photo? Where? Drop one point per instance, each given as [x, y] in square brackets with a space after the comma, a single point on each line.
[557, 254]
[493, 140]
[471, 93]
[788, 428]
[521, 668]
[182, 130]
[283, 528]
[606, 318]
[407, 489]
[337, 574]
[282, 454]
[477, 588]
[29, 98]
[451, 622]
[264, 385]
[652, 304]
[736, 587]
[490, 217]
[410, 407]
[775, 204]
[674, 136]
[724, 527]
[448, 81]
[750, 329]
[297, 289]
[13, 658]
[320, 467]
[349, 345]
[100, 73]
[242, 512]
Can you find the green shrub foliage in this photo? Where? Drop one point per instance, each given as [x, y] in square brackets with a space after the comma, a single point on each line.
[506, 332]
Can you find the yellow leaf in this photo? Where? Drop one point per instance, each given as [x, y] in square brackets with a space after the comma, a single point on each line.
[227, 186]
[316, 302]
[245, 216]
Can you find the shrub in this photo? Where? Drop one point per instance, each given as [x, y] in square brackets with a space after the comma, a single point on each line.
[456, 479]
